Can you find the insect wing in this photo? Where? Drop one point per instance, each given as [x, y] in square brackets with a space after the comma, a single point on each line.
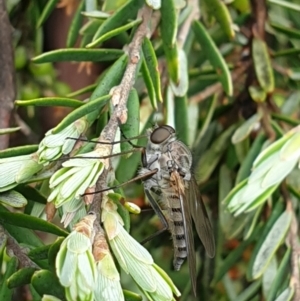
[188, 229]
[200, 218]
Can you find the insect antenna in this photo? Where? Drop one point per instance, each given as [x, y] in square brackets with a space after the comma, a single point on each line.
[113, 142]
[141, 177]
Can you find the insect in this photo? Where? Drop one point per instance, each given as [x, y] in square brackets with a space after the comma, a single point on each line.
[173, 189]
[173, 194]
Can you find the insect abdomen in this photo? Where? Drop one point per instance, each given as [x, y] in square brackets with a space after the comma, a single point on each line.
[175, 219]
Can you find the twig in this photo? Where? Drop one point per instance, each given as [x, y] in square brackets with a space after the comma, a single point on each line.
[217, 88]
[185, 28]
[14, 249]
[294, 243]
[259, 13]
[7, 75]
[120, 95]
[292, 240]
[25, 129]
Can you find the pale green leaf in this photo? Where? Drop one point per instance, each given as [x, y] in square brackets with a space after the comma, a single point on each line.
[271, 244]
[13, 198]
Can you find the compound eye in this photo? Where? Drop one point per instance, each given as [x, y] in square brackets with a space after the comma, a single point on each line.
[161, 134]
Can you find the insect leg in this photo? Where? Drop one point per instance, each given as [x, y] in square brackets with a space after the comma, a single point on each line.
[159, 213]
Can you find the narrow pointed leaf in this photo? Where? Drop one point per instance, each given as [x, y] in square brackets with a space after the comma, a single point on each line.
[213, 54]
[220, 11]
[18, 151]
[49, 7]
[47, 283]
[282, 272]
[168, 23]
[5, 292]
[13, 198]
[113, 33]
[132, 126]
[30, 222]
[78, 55]
[50, 101]
[245, 129]
[75, 25]
[93, 105]
[20, 278]
[262, 65]
[120, 17]
[152, 65]
[271, 243]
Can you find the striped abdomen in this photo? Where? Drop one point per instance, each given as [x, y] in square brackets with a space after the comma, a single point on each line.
[176, 227]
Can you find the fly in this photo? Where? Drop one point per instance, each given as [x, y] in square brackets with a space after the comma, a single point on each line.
[174, 196]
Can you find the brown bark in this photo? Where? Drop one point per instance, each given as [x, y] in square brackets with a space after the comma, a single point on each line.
[7, 75]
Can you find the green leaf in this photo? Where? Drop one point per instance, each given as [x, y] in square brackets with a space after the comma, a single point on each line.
[269, 275]
[96, 14]
[181, 119]
[234, 257]
[9, 130]
[114, 33]
[131, 296]
[46, 283]
[278, 172]
[172, 57]
[13, 199]
[246, 128]
[258, 94]
[152, 65]
[291, 33]
[249, 292]
[220, 11]
[11, 267]
[275, 214]
[30, 222]
[286, 295]
[93, 105]
[287, 52]
[272, 242]
[21, 234]
[214, 56]
[212, 156]
[18, 151]
[120, 17]
[180, 88]
[84, 90]
[271, 149]
[291, 149]
[286, 4]
[132, 126]
[50, 101]
[262, 65]
[31, 194]
[21, 277]
[149, 84]
[78, 55]
[75, 25]
[54, 248]
[49, 7]
[117, 198]
[245, 169]
[168, 25]
[208, 117]
[39, 253]
[111, 78]
[281, 274]
[252, 219]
